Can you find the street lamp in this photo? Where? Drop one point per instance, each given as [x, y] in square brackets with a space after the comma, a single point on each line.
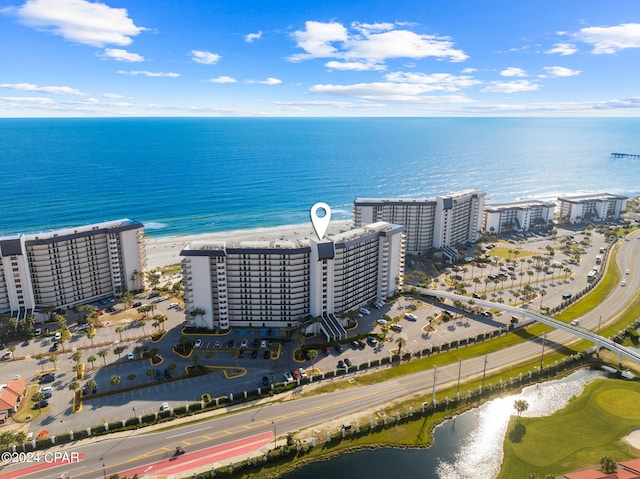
[484, 371]
[104, 472]
[273, 423]
[542, 355]
[459, 372]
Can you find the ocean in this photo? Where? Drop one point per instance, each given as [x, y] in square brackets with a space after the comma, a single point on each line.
[202, 175]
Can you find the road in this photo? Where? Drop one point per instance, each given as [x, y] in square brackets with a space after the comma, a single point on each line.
[127, 452]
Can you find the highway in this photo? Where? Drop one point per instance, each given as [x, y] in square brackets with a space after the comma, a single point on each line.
[123, 453]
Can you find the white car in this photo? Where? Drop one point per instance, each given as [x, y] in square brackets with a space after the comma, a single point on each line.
[628, 271]
[244, 343]
[624, 282]
[575, 322]
[381, 322]
[288, 377]
[303, 373]
[410, 317]
[131, 356]
[198, 343]
[164, 406]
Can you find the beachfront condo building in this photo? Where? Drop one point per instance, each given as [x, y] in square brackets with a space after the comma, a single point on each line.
[439, 222]
[590, 208]
[63, 268]
[278, 283]
[517, 216]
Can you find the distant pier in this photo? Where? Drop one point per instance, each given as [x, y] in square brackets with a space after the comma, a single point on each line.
[625, 155]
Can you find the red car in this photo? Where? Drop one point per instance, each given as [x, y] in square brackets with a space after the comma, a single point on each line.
[296, 374]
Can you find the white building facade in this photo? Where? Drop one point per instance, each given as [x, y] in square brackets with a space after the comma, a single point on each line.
[71, 266]
[590, 208]
[437, 222]
[278, 283]
[517, 216]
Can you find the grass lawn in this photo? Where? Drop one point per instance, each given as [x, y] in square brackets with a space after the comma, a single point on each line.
[591, 426]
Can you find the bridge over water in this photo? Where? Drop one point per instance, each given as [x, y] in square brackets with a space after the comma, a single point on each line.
[599, 341]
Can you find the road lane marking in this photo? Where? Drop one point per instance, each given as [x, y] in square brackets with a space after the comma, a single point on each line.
[176, 435]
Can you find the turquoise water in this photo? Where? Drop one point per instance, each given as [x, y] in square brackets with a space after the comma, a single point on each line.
[185, 176]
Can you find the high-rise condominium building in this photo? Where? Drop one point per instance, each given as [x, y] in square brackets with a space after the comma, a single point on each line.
[276, 283]
[517, 216]
[437, 222]
[588, 208]
[70, 266]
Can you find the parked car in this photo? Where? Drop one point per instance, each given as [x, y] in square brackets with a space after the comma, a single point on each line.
[325, 350]
[296, 374]
[348, 362]
[267, 354]
[199, 343]
[217, 344]
[338, 347]
[230, 343]
[410, 317]
[131, 356]
[164, 406]
[244, 343]
[341, 365]
[7, 355]
[53, 348]
[47, 378]
[381, 322]
[288, 377]
[303, 373]
[41, 405]
[254, 354]
[575, 322]
[265, 380]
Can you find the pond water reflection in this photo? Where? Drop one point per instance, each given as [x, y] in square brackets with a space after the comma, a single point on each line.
[468, 446]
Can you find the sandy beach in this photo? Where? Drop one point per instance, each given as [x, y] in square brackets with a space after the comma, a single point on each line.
[165, 251]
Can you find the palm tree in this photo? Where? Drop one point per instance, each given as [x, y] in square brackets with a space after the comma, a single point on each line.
[90, 333]
[36, 397]
[76, 356]
[39, 357]
[115, 380]
[119, 330]
[543, 293]
[103, 354]
[197, 312]
[521, 406]
[131, 377]
[91, 359]
[196, 360]
[54, 359]
[400, 341]
[118, 350]
[91, 384]
[74, 386]
[312, 354]
[12, 348]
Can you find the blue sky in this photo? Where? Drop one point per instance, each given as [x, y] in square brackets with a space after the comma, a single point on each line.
[62, 58]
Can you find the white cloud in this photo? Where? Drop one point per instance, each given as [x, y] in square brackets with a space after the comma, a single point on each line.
[511, 87]
[563, 49]
[369, 28]
[204, 57]
[353, 66]
[316, 40]
[58, 90]
[389, 91]
[438, 81]
[222, 79]
[513, 72]
[80, 21]
[27, 100]
[611, 39]
[369, 44]
[113, 96]
[252, 37]
[469, 70]
[271, 81]
[148, 73]
[123, 55]
[561, 71]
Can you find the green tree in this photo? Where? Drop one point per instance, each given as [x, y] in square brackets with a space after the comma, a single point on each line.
[118, 350]
[197, 312]
[400, 341]
[119, 330]
[74, 386]
[103, 354]
[91, 359]
[131, 377]
[54, 359]
[76, 356]
[609, 466]
[115, 380]
[91, 385]
[520, 406]
[39, 357]
[90, 333]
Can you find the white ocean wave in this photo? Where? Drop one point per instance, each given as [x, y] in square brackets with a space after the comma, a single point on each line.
[155, 225]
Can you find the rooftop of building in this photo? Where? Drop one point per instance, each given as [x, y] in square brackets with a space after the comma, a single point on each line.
[519, 204]
[593, 197]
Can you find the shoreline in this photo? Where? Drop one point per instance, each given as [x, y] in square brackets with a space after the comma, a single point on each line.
[164, 251]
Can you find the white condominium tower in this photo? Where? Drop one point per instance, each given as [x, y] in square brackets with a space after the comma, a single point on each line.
[588, 208]
[437, 222]
[70, 266]
[518, 216]
[276, 283]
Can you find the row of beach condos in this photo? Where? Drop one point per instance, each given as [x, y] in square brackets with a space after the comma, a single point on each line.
[273, 283]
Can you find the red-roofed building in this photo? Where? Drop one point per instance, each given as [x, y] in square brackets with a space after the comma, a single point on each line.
[594, 474]
[633, 465]
[10, 397]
